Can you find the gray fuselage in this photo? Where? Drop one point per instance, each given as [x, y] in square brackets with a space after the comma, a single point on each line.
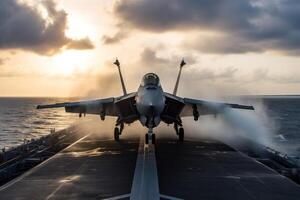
[150, 100]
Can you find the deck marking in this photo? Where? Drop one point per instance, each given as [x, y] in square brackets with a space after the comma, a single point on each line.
[145, 180]
[169, 197]
[118, 197]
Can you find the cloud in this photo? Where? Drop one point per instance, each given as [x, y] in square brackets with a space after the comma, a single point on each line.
[120, 35]
[223, 44]
[194, 73]
[23, 26]
[4, 73]
[242, 26]
[105, 84]
[149, 58]
[156, 15]
[98, 83]
[262, 74]
[207, 74]
[2, 61]
[80, 44]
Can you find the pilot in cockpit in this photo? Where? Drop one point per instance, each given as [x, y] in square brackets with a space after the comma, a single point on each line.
[150, 79]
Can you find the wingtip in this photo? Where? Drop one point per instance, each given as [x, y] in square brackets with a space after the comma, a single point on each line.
[40, 107]
[250, 108]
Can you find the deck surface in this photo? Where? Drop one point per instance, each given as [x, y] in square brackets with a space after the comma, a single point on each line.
[94, 168]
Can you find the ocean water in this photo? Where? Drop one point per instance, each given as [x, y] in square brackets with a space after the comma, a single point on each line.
[285, 114]
[19, 120]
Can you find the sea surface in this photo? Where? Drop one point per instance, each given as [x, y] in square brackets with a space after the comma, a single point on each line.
[284, 111]
[19, 120]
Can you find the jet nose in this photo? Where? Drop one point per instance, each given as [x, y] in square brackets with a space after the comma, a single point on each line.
[150, 109]
[150, 103]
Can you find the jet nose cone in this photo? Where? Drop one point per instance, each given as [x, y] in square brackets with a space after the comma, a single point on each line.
[150, 109]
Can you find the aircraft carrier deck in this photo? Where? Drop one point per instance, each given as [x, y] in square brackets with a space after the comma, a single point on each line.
[95, 168]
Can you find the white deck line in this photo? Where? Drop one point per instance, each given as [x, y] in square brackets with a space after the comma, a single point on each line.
[145, 180]
[118, 197]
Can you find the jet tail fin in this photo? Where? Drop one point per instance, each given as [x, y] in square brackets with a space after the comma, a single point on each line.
[178, 77]
[117, 63]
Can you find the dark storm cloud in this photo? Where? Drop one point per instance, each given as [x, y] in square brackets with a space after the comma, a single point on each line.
[157, 15]
[23, 27]
[223, 44]
[244, 25]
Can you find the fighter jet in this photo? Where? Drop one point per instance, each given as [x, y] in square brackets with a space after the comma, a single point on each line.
[150, 105]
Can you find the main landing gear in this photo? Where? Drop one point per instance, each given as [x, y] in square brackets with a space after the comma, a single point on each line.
[179, 132]
[118, 132]
[150, 136]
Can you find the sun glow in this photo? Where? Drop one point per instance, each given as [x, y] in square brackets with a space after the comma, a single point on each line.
[79, 28]
[70, 62]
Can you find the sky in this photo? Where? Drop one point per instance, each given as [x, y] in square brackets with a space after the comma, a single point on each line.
[63, 48]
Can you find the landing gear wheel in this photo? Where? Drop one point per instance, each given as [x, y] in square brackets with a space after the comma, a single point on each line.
[181, 134]
[153, 138]
[147, 138]
[117, 134]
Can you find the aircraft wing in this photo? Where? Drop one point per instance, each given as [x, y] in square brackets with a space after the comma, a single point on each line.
[99, 106]
[177, 107]
[201, 107]
[122, 107]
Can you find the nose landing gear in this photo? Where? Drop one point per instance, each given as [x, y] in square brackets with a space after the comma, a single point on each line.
[179, 132]
[150, 136]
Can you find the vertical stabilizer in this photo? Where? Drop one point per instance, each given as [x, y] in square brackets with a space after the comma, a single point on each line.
[117, 63]
[178, 77]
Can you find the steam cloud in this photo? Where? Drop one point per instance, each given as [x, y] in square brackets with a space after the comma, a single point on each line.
[234, 126]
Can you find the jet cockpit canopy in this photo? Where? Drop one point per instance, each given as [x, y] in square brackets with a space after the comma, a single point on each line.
[150, 79]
